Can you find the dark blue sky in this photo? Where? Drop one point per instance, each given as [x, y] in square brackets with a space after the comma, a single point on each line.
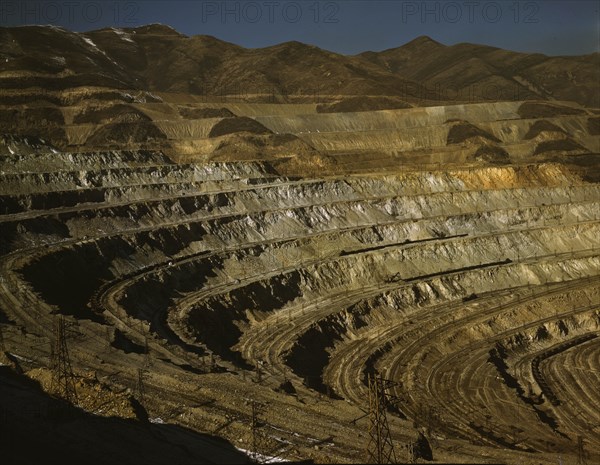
[344, 26]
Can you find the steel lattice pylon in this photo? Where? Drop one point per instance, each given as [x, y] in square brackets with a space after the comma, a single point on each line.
[581, 455]
[380, 448]
[258, 444]
[63, 379]
[140, 389]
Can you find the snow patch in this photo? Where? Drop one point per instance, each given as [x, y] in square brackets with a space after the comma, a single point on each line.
[154, 96]
[50, 26]
[260, 458]
[157, 421]
[163, 25]
[91, 43]
[18, 357]
[57, 28]
[124, 35]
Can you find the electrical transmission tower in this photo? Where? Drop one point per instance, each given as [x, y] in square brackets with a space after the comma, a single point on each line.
[140, 390]
[108, 339]
[380, 448]
[581, 452]
[146, 352]
[258, 378]
[255, 424]
[63, 379]
[2, 345]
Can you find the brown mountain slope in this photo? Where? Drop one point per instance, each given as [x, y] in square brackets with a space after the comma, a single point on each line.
[158, 58]
[96, 90]
[479, 72]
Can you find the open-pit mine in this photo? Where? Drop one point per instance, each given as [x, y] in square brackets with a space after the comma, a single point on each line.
[365, 276]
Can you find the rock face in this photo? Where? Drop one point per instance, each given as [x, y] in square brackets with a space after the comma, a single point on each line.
[316, 281]
[200, 99]
[241, 266]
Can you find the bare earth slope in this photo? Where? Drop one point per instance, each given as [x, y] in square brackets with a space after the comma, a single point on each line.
[157, 58]
[229, 283]
[489, 73]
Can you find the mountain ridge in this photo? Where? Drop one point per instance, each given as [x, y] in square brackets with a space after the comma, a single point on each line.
[158, 58]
